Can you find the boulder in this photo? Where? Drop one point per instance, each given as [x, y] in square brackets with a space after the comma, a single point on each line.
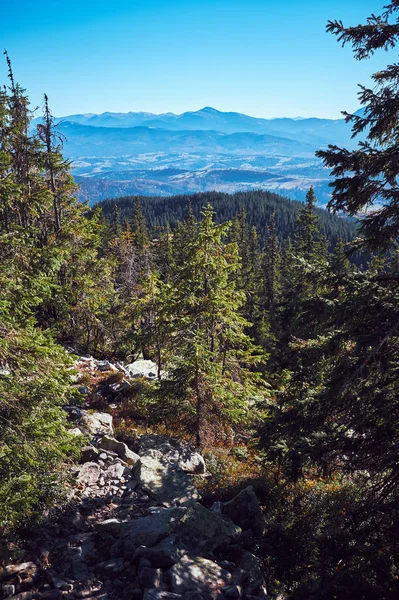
[165, 554]
[251, 565]
[203, 528]
[142, 368]
[115, 471]
[113, 527]
[165, 482]
[89, 454]
[25, 570]
[105, 365]
[175, 452]
[194, 573]
[89, 473]
[121, 449]
[245, 511]
[148, 531]
[97, 423]
[111, 567]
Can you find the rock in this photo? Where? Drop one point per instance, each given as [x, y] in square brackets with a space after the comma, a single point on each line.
[89, 454]
[154, 594]
[174, 452]
[132, 593]
[80, 571]
[75, 431]
[113, 527]
[251, 564]
[142, 368]
[149, 577]
[60, 584]
[105, 365]
[166, 483]
[89, 473]
[194, 596]
[7, 590]
[49, 595]
[86, 360]
[112, 567]
[78, 521]
[245, 511]
[233, 591]
[97, 423]
[165, 554]
[202, 527]
[197, 574]
[23, 596]
[228, 565]
[115, 471]
[25, 570]
[121, 449]
[148, 531]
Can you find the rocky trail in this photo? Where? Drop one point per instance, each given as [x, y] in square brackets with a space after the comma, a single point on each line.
[135, 527]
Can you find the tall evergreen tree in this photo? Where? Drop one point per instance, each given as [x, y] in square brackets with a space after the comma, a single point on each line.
[369, 174]
[209, 376]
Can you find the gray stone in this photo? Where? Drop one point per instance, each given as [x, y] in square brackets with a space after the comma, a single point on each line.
[245, 511]
[89, 473]
[80, 570]
[133, 594]
[115, 471]
[97, 423]
[105, 365]
[7, 590]
[78, 521]
[155, 594]
[148, 577]
[251, 564]
[142, 368]
[165, 554]
[113, 527]
[49, 595]
[25, 570]
[60, 584]
[166, 483]
[194, 573]
[148, 531]
[202, 527]
[75, 431]
[89, 454]
[173, 451]
[24, 595]
[112, 567]
[233, 591]
[193, 596]
[121, 449]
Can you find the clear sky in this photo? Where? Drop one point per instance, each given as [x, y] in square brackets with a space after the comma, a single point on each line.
[263, 58]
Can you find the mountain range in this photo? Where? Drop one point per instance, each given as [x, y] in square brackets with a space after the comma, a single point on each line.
[127, 153]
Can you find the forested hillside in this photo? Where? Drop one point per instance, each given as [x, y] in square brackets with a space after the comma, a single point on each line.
[275, 355]
[260, 208]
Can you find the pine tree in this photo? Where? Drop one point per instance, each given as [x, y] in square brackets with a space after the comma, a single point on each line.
[209, 376]
[368, 175]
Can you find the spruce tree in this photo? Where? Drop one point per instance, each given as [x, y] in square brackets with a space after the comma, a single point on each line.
[368, 176]
[209, 376]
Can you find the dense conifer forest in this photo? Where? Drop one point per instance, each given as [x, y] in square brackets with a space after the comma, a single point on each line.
[260, 207]
[281, 352]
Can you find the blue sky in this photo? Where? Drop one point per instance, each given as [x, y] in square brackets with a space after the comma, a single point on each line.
[267, 59]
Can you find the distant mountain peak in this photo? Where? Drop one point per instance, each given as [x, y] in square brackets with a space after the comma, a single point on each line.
[209, 110]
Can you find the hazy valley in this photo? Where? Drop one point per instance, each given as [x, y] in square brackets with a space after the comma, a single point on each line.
[118, 154]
